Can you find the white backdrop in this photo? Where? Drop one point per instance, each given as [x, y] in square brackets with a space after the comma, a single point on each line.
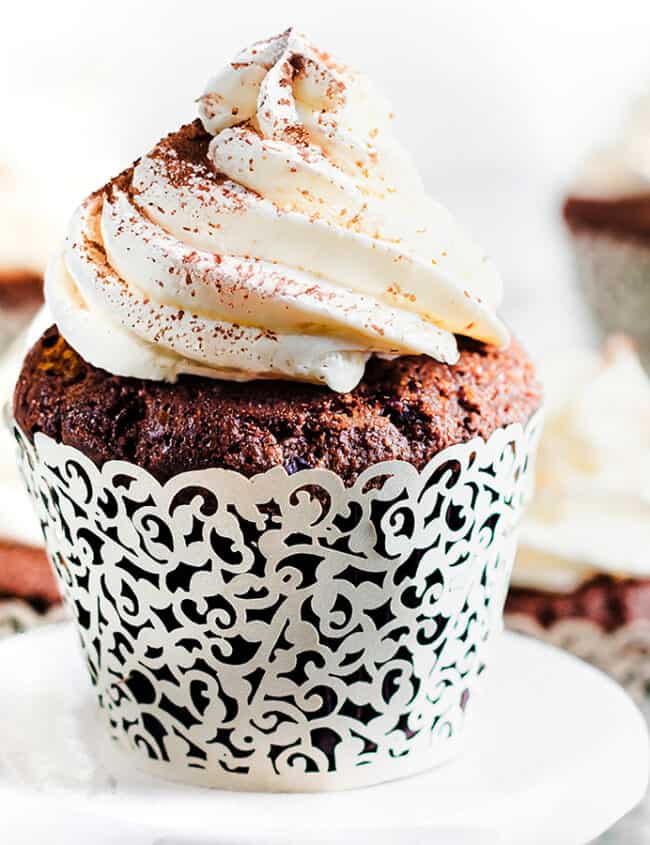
[496, 100]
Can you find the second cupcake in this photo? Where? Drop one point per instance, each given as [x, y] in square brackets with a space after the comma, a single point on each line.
[582, 575]
[608, 215]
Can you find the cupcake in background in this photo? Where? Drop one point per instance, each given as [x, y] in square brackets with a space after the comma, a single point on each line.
[608, 216]
[582, 572]
[35, 194]
[35, 197]
[27, 237]
[29, 594]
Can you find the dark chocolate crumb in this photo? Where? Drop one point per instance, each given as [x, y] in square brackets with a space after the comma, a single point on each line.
[409, 409]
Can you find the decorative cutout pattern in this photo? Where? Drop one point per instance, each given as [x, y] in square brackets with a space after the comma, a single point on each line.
[285, 632]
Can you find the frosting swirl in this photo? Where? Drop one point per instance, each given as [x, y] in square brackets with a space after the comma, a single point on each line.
[285, 235]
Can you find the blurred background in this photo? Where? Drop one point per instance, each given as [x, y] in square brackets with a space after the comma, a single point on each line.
[498, 103]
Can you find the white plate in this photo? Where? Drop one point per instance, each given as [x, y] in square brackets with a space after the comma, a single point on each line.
[556, 753]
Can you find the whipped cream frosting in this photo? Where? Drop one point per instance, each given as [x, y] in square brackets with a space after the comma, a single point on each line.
[295, 244]
[591, 509]
[621, 168]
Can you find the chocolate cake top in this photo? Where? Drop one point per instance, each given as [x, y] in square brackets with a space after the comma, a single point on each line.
[409, 409]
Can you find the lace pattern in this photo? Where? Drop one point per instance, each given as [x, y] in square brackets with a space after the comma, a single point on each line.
[285, 632]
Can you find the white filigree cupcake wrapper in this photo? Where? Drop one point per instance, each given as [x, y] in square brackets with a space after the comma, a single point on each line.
[285, 632]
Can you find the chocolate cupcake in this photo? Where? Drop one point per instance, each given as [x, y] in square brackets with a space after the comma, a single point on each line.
[279, 441]
[582, 573]
[608, 216]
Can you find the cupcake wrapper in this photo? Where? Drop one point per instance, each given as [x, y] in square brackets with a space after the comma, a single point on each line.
[614, 276]
[285, 632]
[624, 653]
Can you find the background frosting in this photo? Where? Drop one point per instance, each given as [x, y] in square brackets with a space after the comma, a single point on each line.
[297, 245]
[591, 510]
[623, 167]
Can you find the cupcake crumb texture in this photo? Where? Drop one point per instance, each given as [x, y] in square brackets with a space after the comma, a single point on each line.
[409, 408]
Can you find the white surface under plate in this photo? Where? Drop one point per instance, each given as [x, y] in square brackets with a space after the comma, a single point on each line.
[557, 753]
